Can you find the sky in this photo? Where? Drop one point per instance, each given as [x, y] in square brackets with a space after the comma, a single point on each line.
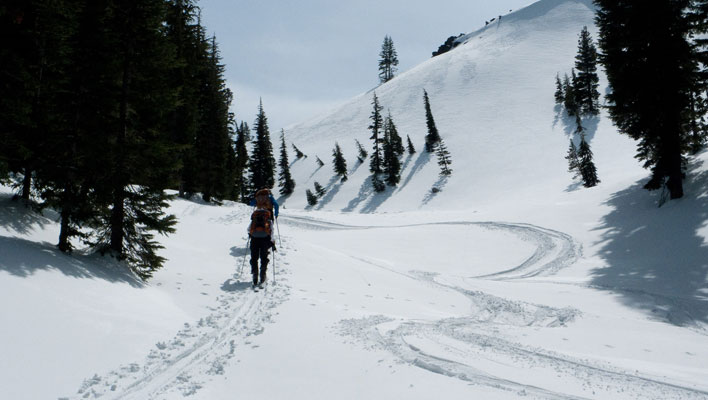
[304, 58]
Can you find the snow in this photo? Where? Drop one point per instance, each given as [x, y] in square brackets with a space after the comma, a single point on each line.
[513, 281]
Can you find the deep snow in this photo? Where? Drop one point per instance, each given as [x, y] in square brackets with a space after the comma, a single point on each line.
[512, 281]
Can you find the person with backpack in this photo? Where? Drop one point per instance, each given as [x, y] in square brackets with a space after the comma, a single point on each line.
[265, 197]
[260, 232]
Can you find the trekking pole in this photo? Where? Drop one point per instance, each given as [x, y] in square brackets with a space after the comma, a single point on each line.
[277, 225]
[240, 270]
[273, 264]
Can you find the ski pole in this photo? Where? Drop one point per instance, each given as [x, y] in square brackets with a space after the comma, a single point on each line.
[240, 271]
[277, 225]
[273, 248]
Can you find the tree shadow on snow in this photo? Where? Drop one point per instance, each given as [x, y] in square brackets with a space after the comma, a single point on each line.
[437, 188]
[576, 185]
[378, 199]
[365, 191]
[23, 258]
[332, 188]
[655, 260]
[23, 220]
[423, 158]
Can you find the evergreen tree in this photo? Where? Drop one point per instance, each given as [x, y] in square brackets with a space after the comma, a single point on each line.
[392, 131]
[362, 153]
[320, 163]
[411, 148]
[391, 162]
[573, 161]
[311, 197]
[444, 159]
[586, 166]
[298, 154]
[388, 60]
[433, 136]
[586, 83]
[340, 164]
[571, 106]
[319, 190]
[376, 163]
[243, 134]
[262, 159]
[559, 94]
[286, 182]
[651, 84]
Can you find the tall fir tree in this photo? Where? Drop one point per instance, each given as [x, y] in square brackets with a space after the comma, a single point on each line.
[391, 161]
[586, 167]
[573, 161]
[433, 137]
[243, 134]
[339, 163]
[388, 60]
[586, 83]
[651, 84]
[262, 159]
[376, 127]
[444, 159]
[396, 141]
[559, 95]
[571, 107]
[285, 180]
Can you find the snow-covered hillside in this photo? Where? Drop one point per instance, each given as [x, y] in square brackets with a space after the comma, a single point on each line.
[513, 281]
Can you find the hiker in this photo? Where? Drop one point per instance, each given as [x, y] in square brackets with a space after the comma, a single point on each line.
[260, 230]
[266, 198]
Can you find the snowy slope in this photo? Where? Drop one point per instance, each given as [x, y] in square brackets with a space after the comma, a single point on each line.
[512, 282]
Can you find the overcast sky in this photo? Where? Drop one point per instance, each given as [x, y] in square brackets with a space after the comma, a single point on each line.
[305, 57]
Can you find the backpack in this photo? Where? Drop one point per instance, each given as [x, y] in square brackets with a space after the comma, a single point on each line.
[263, 201]
[260, 224]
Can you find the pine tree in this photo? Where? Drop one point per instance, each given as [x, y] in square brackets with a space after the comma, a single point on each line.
[376, 163]
[243, 134]
[395, 138]
[319, 190]
[340, 164]
[652, 84]
[573, 161]
[320, 163]
[433, 136]
[262, 159]
[391, 162]
[586, 83]
[586, 166]
[559, 94]
[362, 153]
[444, 159]
[571, 106]
[411, 148]
[311, 197]
[388, 60]
[286, 182]
[298, 154]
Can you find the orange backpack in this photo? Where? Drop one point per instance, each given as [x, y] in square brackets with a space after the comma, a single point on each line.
[260, 223]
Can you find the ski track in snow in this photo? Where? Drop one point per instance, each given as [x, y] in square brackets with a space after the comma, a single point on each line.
[461, 348]
[199, 351]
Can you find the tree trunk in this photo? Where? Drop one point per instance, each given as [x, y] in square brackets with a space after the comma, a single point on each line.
[27, 185]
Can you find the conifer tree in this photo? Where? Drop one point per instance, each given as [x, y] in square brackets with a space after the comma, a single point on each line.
[340, 164]
[388, 60]
[571, 106]
[573, 161]
[653, 114]
[586, 83]
[362, 153]
[586, 166]
[392, 131]
[391, 162]
[319, 190]
[262, 159]
[243, 134]
[411, 148]
[311, 197]
[298, 154]
[376, 163]
[433, 136]
[444, 159]
[320, 163]
[559, 94]
[286, 182]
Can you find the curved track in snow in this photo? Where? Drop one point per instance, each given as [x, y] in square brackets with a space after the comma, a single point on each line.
[475, 348]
